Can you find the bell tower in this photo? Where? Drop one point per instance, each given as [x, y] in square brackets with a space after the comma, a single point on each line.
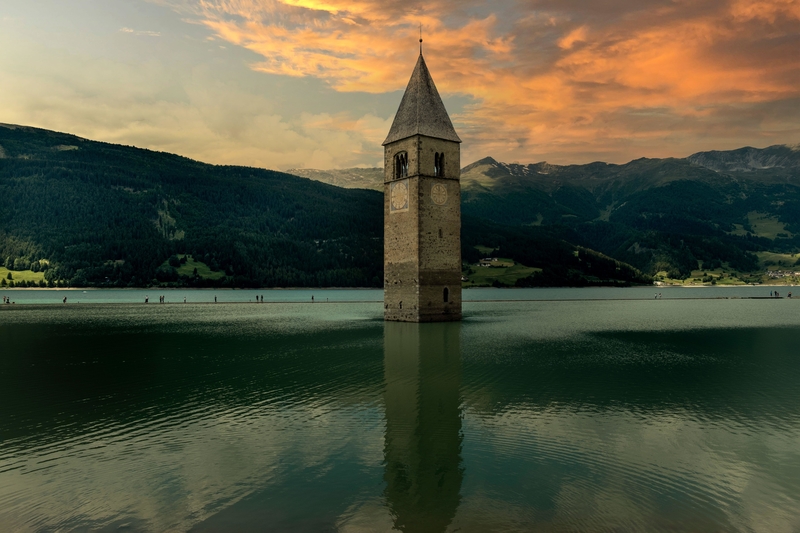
[422, 208]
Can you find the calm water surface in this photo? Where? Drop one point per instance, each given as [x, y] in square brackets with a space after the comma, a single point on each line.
[172, 296]
[620, 413]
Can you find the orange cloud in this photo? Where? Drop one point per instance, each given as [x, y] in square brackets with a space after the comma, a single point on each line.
[567, 81]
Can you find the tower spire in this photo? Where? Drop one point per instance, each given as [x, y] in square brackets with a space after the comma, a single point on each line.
[420, 38]
[421, 110]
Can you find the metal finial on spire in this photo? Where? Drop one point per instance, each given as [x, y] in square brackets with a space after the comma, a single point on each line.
[420, 38]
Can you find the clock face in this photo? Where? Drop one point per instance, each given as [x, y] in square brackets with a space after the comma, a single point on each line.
[399, 197]
[439, 194]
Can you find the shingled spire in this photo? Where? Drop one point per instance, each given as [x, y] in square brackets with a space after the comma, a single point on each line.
[421, 110]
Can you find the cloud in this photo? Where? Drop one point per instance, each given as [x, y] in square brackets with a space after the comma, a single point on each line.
[632, 464]
[191, 112]
[140, 32]
[565, 80]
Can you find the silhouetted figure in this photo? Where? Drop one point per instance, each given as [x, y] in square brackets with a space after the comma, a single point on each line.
[146, 298]
[215, 299]
[65, 299]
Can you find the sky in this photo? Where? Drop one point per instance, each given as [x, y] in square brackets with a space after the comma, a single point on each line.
[315, 83]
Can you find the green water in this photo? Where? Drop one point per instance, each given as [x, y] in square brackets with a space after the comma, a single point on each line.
[608, 415]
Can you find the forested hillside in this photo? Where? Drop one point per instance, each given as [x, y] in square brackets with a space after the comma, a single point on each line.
[84, 213]
[723, 210]
[97, 213]
[660, 215]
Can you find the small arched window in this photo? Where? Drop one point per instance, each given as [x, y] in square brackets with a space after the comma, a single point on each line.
[438, 164]
[401, 165]
[446, 295]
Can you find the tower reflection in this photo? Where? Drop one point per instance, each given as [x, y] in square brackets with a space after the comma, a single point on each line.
[422, 451]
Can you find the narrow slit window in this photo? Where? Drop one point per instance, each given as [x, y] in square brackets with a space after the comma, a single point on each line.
[446, 295]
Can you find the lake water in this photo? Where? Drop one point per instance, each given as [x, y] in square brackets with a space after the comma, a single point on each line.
[172, 296]
[554, 410]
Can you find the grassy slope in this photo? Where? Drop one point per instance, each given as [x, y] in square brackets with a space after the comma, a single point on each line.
[763, 225]
[203, 270]
[506, 271]
[21, 275]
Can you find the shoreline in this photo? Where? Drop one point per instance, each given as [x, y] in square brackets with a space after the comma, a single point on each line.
[226, 289]
[376, 303]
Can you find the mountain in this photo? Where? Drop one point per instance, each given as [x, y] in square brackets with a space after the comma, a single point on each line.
[719, 209]
[656, 214]
[779, 158]
[87, 213]
[349, 178]
[90, 212]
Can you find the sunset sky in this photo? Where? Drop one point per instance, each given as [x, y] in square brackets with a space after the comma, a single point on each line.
[315, 83]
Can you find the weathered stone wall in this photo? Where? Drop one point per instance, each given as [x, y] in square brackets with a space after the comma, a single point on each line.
[422, 242]
[401, 245]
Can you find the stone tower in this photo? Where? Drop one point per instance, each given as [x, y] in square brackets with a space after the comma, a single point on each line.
[422, 208]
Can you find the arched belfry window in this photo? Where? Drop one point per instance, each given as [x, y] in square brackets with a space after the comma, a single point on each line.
[401, 165]
[438, 164]
[446, 295]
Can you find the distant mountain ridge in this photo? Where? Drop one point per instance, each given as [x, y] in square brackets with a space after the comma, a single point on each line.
[782, 161]
[750, 159]
[349, 178]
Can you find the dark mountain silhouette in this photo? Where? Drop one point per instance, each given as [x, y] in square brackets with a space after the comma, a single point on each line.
[90, 213]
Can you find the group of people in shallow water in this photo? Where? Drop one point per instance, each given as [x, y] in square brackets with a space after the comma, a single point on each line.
[7, 300]
[774, 294]
[163, 299]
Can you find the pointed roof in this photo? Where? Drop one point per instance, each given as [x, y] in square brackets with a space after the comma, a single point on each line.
[421, 110]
